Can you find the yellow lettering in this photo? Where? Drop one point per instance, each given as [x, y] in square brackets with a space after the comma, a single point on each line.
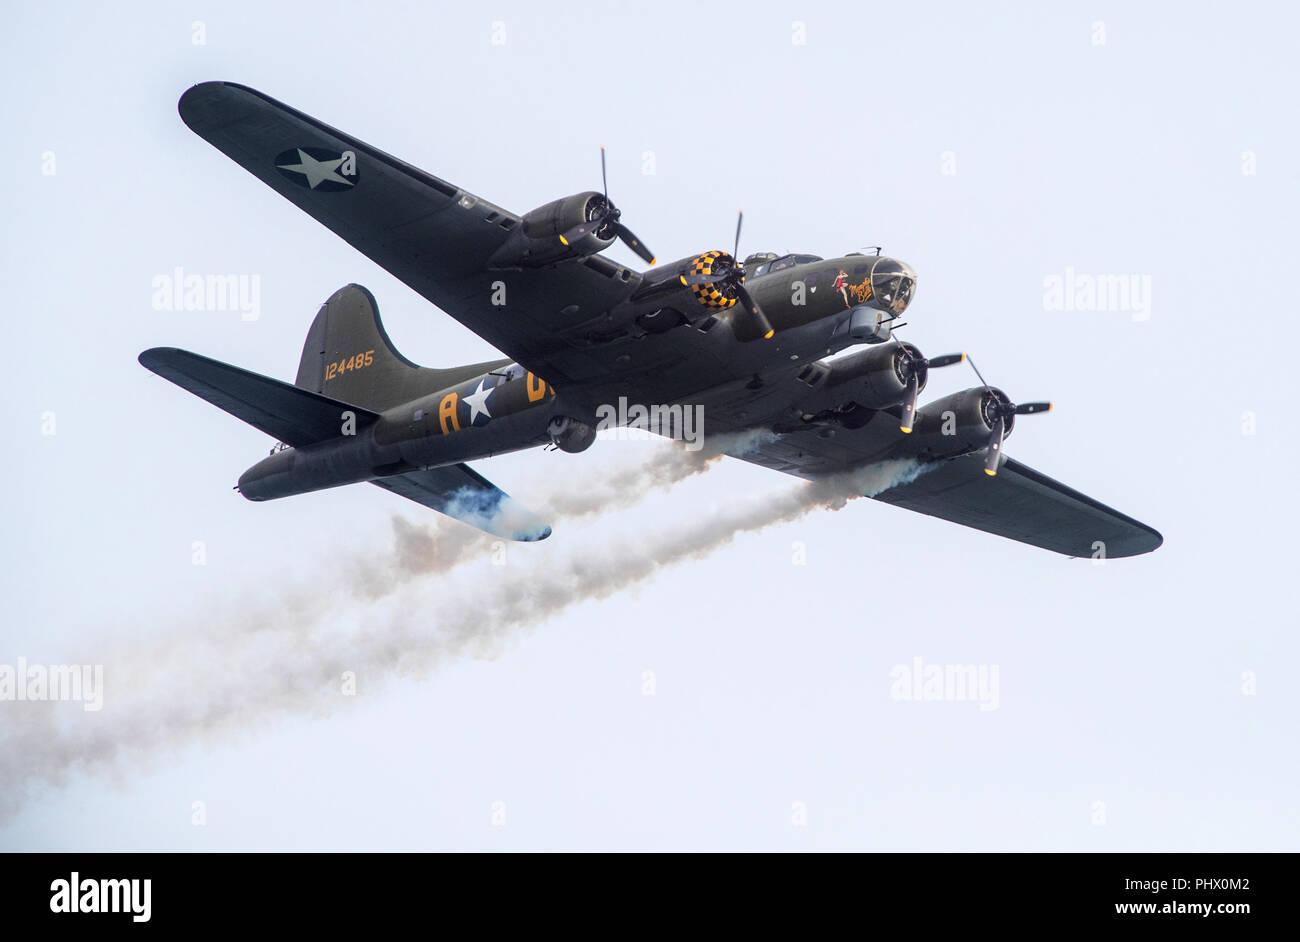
[536, 388]
[447, 414]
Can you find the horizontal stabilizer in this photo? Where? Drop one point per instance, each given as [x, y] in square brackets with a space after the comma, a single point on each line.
[1022, 504]
[294, 416]
[460, 492]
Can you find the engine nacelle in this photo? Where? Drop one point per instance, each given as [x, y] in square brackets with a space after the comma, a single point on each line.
[666, 301]
[875, 377]
[558, 217]
[959, 423]
[716, 295]
[539, 239]
[570, 435]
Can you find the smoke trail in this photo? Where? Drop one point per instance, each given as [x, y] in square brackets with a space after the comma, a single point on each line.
[241, 686]
[441, 543]
[666, 467]
[620, 488]
[437, 543]
[232, 633]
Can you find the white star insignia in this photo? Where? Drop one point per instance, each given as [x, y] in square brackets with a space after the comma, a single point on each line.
[478, 402]
[315, 170]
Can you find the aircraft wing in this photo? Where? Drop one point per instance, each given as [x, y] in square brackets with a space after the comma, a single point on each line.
[461, 492]
[433, 235]
[1023, 505]
[1019, 503]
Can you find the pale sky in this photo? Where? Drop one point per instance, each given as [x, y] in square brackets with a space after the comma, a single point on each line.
[741, 700]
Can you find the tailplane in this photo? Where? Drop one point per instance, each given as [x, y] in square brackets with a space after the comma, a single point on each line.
[293, 415]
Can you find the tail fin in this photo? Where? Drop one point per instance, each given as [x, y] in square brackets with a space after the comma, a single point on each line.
[349, 357]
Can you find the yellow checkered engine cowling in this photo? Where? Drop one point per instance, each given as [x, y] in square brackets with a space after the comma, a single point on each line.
[708, 294]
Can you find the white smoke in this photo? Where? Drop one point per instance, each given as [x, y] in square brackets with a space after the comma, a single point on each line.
[211, 684]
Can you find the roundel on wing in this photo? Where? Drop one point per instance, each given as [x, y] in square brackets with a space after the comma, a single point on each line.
[318, 168]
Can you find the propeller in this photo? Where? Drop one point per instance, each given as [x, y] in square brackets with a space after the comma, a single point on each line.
[998, 411]
[605, 223]
[731, 274]
[912, 366]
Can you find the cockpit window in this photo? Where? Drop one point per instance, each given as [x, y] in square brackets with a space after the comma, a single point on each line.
[892, 284]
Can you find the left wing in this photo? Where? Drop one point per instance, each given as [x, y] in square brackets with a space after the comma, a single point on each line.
[431, 234]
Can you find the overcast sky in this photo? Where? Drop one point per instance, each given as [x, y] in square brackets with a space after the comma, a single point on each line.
[739, 700]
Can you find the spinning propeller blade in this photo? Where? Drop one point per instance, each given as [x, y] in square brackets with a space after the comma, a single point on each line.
[999, 411]
[913, 364]
[605, 219]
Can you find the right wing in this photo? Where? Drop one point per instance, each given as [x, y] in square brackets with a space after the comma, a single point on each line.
[434, 236]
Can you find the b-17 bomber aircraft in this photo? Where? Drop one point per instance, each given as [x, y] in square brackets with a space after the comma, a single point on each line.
[750, 342]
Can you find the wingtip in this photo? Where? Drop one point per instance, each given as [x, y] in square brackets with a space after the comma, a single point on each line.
[1137, 546]
[150, 358]
[190, 106]
[1156, 540]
